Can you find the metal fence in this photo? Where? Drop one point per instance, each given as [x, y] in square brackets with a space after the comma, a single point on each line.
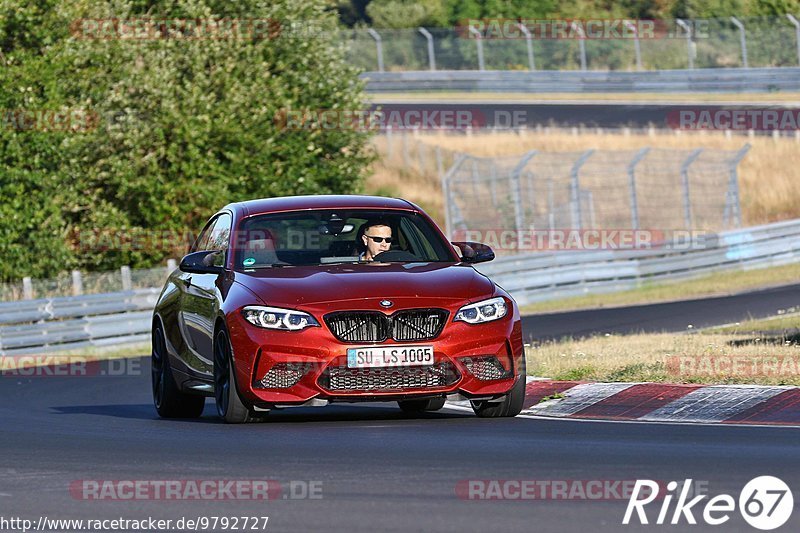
[77, 283]
[654, 188]
[538, 277]
[707, 43]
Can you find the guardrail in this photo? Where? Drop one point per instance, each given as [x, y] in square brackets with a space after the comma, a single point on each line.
[547, 276]
[713, 80]
[65, 323]
[46, 325]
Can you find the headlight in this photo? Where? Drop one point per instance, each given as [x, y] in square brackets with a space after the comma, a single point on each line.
[277, 318]
[485, 311]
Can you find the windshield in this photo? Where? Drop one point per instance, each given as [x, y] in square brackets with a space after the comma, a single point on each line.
[337, 236]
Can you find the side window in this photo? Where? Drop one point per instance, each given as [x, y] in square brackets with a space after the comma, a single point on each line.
[219, 236]
[215, 236]
[202, 241]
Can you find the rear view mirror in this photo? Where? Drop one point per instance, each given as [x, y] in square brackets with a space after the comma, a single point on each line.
[474, 252]
[201, 263]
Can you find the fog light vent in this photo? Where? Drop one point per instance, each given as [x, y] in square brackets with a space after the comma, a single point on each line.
[283, 375]
[486, 368]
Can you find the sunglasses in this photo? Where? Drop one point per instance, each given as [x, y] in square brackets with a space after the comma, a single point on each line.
[380, 239]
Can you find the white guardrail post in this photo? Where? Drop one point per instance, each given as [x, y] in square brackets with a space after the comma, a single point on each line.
[689, 44]
[529, 45]
[687, 199]
[581, 43]
[796, 25]
[479, 44]
[632, 186]
[378, 47]
[429, 38]
[742, 39]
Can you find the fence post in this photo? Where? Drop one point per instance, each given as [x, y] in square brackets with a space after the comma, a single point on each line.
[529, 45]
[581, 43]
[479, 45]
[404, 149]
[378, 47]
[637, 48]
[516, 191]
[439, 162]
[475, 177]
[77, 283]
[27, 288]
[493, 183]
[733, 187]
[632, 185]
[742, 39]
[171, 265]
[448, 203]
[689, 51]
[796, 24]
[687, 199]
[125, 273]
[429, 38]
[389, 142]
[575, 190]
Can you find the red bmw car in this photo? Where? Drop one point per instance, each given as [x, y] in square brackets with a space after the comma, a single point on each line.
[307, 300]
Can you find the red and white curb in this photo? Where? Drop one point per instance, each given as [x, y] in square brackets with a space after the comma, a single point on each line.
[661, 402]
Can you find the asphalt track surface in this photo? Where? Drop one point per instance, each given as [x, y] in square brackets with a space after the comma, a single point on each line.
[378, 469]
[671, 317]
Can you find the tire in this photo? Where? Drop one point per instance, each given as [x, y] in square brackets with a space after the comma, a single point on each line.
[510, 406]
[168, 400]
[420, 406]
[226, 393]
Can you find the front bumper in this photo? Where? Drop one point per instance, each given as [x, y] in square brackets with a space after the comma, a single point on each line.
[291, 368]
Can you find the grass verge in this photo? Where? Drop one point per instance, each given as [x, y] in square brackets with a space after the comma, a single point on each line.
[78, 355]
[770, 356]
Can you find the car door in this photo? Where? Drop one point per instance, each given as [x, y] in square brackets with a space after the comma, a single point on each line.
[200, 298]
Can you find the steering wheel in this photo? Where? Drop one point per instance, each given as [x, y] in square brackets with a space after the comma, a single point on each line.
[395, 255]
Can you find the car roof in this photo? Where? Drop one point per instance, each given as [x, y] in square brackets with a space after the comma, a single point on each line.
[318, 201]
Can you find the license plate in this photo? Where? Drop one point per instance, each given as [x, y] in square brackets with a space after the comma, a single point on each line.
[382, 356]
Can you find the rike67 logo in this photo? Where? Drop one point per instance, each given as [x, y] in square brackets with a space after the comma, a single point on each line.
[765, 503]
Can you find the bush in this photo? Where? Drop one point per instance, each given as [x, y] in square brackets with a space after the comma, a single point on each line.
[183, 126]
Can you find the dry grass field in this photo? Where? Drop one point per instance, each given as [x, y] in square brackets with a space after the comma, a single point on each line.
[769, 175]
[765, 352]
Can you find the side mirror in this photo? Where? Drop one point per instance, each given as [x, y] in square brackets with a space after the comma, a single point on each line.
[201, 263]
[474, 252]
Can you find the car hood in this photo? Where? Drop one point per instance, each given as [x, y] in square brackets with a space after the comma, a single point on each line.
[298, 285]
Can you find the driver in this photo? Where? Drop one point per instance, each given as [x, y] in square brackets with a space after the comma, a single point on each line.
[376, 237]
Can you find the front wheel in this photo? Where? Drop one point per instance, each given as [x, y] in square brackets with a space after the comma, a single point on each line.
[168, 400]
[510, 405]
[226, 394]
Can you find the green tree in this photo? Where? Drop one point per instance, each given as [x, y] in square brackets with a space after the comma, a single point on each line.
[184, 125]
